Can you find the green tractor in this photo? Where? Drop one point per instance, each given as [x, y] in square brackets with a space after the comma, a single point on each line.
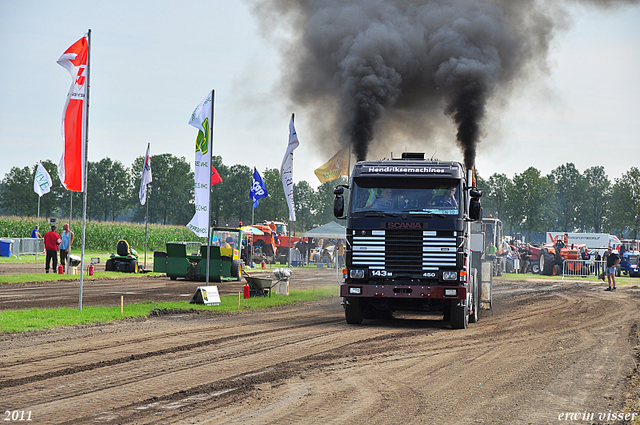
[188, 260]
[125, 259]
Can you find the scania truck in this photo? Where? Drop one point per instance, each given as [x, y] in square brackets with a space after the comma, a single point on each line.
[409, 240]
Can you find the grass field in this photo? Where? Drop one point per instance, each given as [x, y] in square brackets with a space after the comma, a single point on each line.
[34, 319]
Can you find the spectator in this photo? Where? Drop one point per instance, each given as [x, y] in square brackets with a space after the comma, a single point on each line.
[598, 259]
[35, 233]
[51, 243]
[65, 245]
[612, 263]
[525, 255]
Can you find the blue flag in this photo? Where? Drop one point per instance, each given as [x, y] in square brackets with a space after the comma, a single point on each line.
[258, 189]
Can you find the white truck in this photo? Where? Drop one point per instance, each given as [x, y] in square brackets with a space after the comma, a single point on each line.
[593, 241]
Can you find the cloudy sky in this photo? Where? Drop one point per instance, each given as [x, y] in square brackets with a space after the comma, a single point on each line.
[152, 63]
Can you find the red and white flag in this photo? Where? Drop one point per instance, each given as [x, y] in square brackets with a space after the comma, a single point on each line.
[72, 164]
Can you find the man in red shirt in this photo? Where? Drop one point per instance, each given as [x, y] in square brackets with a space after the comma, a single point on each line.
[52, 241]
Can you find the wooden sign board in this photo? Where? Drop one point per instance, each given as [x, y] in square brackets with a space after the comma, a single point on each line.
[207, 295]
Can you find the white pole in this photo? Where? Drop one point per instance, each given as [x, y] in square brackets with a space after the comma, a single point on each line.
[70, 212]
[38, 227]
[209, 183]
[146, 222]
[86, 170]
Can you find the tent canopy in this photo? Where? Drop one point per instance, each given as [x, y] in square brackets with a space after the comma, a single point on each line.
[329, 230]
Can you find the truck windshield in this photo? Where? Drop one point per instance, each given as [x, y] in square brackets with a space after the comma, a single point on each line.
[413, 196]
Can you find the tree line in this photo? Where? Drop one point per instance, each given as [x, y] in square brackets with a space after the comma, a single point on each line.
[113, 194]
[565, 200]
[530, 203]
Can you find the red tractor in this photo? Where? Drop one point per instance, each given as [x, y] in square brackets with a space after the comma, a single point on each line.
[274, 244]
[553, 255]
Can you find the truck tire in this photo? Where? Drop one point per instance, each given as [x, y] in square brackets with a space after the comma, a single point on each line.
[459, 316]
[535, 268]
[473, 317]
[353, 311]
[547, 261]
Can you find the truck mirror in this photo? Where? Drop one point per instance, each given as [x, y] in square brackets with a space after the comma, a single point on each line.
[338, 206]
[475, 209]
[475, 193]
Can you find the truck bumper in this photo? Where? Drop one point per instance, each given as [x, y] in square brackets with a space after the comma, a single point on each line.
[403, 291]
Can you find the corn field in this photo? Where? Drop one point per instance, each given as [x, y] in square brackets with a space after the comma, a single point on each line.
[101, 236]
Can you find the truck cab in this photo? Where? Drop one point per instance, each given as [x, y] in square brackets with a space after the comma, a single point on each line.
[408, 245]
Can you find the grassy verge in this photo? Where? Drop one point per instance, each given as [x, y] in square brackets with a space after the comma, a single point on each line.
[34, 319]
[620, 280]
[54, 277]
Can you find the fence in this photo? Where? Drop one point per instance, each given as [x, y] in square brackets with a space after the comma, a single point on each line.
[582, 268]
[23, 246]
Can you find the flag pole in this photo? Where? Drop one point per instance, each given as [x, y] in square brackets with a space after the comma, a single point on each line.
[38, 227]
[86, 168]
[70, 211]
[146, 224]
[293, 206]
[210, 135]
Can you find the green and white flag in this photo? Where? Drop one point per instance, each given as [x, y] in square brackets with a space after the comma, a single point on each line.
[201, 119]
[42, 182]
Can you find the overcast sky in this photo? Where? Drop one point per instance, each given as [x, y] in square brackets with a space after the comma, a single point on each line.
[153, 62]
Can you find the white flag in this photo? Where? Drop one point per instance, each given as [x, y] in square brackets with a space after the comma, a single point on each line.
[42, 182]
[146, 177]
[286, 169]
[200, 119]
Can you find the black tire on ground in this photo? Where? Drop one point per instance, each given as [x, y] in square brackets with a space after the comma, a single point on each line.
[132, 267]
[459, 316]
[547, 260]
[618, 271]
[475, 288]
[108, 267]
[353, 311]
[173, 277]
[557, 270]
[236, 266]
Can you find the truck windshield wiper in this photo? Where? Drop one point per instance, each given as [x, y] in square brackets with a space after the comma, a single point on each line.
[378, 213]
[428, 214]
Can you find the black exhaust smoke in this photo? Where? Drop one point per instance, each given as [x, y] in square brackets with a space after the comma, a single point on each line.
[400, 67]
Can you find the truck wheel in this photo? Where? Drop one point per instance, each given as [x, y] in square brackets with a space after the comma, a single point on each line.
[353, 311]
[535, 268]
[473, 317]
[459, 316]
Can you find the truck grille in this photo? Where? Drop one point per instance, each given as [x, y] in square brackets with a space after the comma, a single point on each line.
[409, 251]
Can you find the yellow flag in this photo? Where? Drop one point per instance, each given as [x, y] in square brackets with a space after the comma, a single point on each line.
[337, 166]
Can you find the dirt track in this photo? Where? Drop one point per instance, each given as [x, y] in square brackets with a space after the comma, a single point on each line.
[548, 348]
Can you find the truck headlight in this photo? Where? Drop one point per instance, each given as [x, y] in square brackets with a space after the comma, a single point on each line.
[449, 275]
[356, 273]
[450, 292]
[355, 290]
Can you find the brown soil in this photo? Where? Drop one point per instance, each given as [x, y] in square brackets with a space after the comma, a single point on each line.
[548, 348]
